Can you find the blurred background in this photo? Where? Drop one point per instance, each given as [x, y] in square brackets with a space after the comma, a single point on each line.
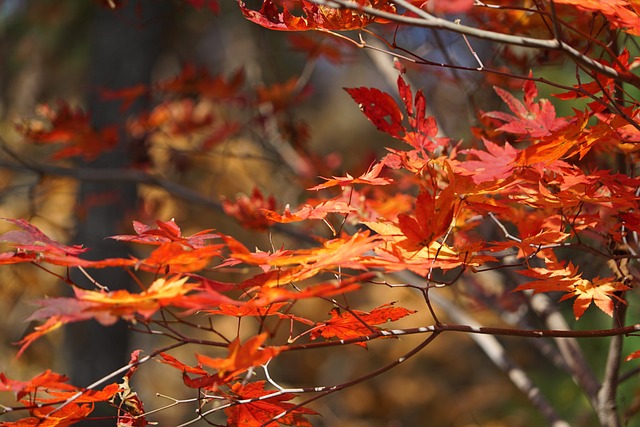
[238, 107]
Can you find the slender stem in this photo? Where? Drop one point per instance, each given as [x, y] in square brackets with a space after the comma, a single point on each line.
[426, 20]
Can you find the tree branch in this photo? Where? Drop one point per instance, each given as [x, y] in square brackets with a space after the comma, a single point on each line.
[426, 20]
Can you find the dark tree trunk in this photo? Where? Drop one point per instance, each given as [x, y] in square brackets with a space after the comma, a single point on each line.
[125, 44]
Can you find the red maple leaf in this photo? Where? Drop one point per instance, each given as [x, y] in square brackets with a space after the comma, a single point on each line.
[127, 95]
[623, 14]
[30, 238]
[531, 119]
[166, 232]
[250, 211]
[422, 133]
[432, 218]
[494, 163]
[313, 17]
[198, 81]
[72, 128]
[380, 108]
[253, 409]
[254, 310]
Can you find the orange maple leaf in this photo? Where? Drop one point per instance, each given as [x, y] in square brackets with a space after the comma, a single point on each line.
[370, 177]
[175, 257]
[396, 254]
[108, 307]
[602, 292]
[50, 416]
[432, 219]
[307, 211]
[241, 357]
[558, 278]
[356, 323]
[166, 232]
[48, 388]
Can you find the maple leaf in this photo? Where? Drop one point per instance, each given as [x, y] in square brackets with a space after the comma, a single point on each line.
[128, 95]
[49, 416]
[51, 324]
[301, 264]
[496, 163]
[176, 257]
[558, 278]
[531, 244]
[250, 211]
[634, 355]
[107, 307]
[166, 232]
[395, 254]
[307, 211]
[269, 295]
[73, 129]
[334, 50]
[370, 177]
[254, 310]
[241, 357]
[30, 238]
[315, 17]
[602, 83]
[423, 132]
[44, 381]
[167, 359]
[576, 138]
[531, 119]
[602, 292]
[281, 96]
[355, 323]
[254, 409]
[380, 108]
[197, 81]
[48, 388]
[623, 14]
[34, 246]
[432, 219]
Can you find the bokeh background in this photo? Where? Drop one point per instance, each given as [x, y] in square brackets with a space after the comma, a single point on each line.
[69, 51]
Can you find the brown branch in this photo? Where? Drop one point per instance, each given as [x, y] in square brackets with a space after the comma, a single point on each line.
[426, 20]
[139, 177]
[607, 405]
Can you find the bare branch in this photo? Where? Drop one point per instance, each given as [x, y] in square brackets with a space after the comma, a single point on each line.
[426, 20]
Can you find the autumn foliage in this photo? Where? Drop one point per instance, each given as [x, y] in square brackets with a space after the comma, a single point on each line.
[543, 189]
